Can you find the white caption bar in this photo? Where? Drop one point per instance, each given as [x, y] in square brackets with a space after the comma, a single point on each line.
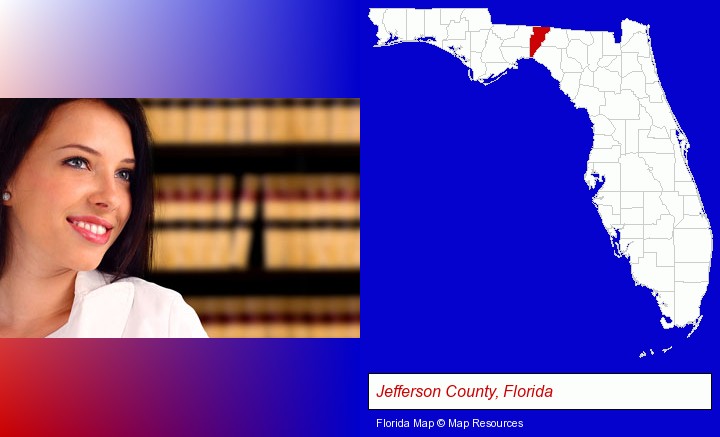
[539, 391]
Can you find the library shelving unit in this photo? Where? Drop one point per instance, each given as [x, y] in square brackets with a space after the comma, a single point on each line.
[261, 159]
[236, 138]
[258, 158]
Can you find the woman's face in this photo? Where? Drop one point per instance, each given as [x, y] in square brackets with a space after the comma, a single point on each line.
[71, 193]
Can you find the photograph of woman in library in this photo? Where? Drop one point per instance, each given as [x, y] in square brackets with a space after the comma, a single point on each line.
[75, 221]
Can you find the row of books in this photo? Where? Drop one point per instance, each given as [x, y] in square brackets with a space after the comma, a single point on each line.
[225, 249]
[186, 197]
[311, 249]
[207, 222]
[201, 249]
[310, 197]
[239, 122]
[196, 197]
[279, 316]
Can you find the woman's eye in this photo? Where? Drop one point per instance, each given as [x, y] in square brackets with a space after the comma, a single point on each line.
[125, 175]
[80, 163]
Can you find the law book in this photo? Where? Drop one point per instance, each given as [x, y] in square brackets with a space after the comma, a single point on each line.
[276, 250]
[156, 114]
[162, 194]
[234, 311]
[167, 249]
[248, 197]
[254, 326]
[296, 243]
[348, 208]
[224, 197]
[340, 121]
[278, 316]
[311, 221]
[354, 249]
[298, 124]
[354, 122]
[217, 129]
[344, 316]
[245, 212]
[193, 218]
[280, 113]
[213, 246]
[211, 316]
[333, 197]
[337, 200]
[276, 241]
[223, 216]
[176, 122]
[202, 203]
[335, 315]
[167, 209]
[197, 121]
[298, 197]
[314, 195]
[316, 258]
[276, 190]
[320, 326]
[238, 120]
[258, 121]
[351, 325]
[299, 321]
[318, 121]
[207, 121]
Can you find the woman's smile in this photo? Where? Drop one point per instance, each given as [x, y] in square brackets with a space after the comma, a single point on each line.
[93, 229]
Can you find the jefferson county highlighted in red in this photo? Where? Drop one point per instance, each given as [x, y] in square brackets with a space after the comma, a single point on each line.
[537, 38]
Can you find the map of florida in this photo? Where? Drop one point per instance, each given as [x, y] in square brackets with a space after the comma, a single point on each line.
[645, 194]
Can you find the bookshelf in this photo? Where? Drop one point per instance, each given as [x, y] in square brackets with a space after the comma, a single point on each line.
[258, 213]
[259, 282]
[297, 158]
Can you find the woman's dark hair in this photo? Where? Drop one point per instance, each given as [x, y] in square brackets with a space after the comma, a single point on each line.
[21, 120]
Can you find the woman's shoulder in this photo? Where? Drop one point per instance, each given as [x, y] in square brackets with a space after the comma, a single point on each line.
[143, 289]
[155, 302]
[151, 290]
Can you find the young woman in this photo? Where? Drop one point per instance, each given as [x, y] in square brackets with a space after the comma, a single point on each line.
[75, 223]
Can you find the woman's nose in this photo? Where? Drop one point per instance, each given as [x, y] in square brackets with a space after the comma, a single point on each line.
[106, 194]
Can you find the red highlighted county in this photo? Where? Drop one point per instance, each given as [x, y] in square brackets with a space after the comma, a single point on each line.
[537, 38]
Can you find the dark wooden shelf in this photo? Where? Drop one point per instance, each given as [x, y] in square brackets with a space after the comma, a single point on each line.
[266, 158]
[261, 282]
[239, 159]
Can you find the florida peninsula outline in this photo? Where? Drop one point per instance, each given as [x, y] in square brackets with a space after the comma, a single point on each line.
[645, 195]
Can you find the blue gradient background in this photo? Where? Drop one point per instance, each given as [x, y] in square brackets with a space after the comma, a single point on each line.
[460, 273]
[179, 48]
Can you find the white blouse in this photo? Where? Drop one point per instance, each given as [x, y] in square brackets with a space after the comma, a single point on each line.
[128, 308]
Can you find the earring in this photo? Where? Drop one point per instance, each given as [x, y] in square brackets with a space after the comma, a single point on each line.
[6, 196]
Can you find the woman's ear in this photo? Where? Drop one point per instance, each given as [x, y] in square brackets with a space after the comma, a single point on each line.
[7, 194]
